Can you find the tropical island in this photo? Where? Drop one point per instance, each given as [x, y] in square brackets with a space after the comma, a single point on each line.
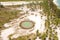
[29, 20]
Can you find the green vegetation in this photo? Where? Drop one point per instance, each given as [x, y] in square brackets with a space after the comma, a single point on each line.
[19, 0]
[53, 16]
[43, 37]
[6, 15]
[21, 38]
[52, 12]
[26, 37]
[9, 0]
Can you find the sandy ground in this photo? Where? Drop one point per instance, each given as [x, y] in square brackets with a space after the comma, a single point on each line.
[17, 2]
[37, 38]
[39, 24]
[58, 32]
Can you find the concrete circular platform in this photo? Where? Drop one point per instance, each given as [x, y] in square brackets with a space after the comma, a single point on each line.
[27, 24]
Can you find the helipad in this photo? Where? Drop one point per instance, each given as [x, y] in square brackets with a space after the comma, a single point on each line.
[27, 24]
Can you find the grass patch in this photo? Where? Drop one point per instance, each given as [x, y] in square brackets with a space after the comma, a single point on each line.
[6, 15]
[18, 0]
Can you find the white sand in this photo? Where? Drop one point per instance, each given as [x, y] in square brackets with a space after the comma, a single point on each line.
[9, 3]
[58, 33]
[6, 32]
[14, 3]
[55, 2]
[38, 26]
[39, 22]
[37, 38]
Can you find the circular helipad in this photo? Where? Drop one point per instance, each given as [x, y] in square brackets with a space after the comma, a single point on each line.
[27, 24]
